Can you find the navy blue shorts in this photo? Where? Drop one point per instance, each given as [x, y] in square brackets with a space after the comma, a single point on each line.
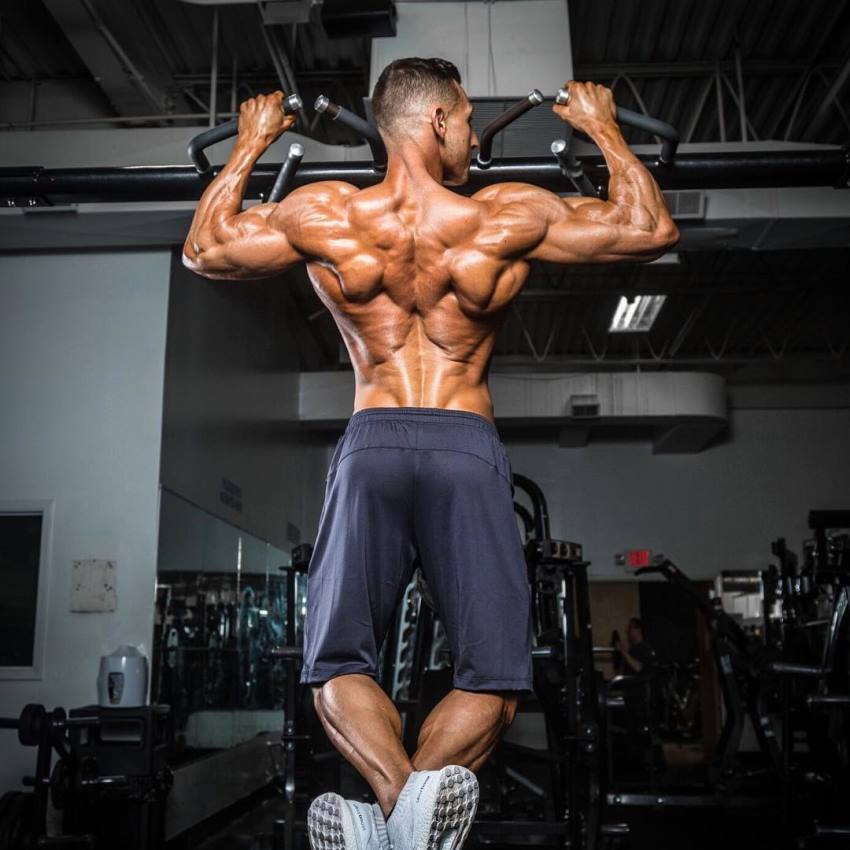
[434, 483]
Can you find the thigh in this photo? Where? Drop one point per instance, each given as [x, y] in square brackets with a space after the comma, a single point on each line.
[473, 561]
[361, 563]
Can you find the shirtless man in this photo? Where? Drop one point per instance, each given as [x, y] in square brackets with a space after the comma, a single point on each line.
[419, 280]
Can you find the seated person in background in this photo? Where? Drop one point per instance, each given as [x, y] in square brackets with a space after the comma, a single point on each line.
[635, 658]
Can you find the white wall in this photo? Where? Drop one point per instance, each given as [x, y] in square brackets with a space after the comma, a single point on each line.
[530, 44]
[719, 509]
[82, 340]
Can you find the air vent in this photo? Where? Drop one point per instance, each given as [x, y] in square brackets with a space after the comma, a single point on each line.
[686, 204]
[584, 406]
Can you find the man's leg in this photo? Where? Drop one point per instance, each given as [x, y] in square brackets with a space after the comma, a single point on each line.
[463, 728]
[364, 725]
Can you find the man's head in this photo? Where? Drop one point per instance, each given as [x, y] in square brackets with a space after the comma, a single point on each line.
[635, 631]
[421, 100]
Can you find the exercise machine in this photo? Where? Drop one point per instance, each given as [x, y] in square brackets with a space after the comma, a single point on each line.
[37, 186]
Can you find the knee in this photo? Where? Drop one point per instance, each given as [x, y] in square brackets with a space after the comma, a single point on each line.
[508, 710]
[317, 700]
[503, 710]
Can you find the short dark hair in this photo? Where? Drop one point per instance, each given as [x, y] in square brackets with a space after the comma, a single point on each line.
[412, 79]
[637, 623]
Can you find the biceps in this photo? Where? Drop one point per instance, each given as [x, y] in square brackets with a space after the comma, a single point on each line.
[579, 239]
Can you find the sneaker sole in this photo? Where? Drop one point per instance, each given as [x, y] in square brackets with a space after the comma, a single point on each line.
[454, 801]
[329, 824]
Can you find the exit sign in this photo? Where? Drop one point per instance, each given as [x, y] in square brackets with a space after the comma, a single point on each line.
[637, 558]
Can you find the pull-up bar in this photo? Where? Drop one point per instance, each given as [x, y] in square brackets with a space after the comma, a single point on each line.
[34, 186]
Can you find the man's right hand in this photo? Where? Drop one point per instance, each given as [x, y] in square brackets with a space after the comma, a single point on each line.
[590, 106]
[262, 118]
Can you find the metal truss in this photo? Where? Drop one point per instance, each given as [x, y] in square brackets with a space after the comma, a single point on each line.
[725, 81]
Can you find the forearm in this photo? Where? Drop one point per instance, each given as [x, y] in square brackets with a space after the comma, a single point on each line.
[223, 198]
[631, 188]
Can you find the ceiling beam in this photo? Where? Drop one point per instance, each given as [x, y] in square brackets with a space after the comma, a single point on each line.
[130, 88]
[697, 68]
[828, 102]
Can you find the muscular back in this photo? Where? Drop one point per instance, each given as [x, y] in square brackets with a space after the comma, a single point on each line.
[418, 278]
[418, 288]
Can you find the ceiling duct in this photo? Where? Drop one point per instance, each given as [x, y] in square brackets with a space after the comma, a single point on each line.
[339, 18]
[359, 18]
[290, 12]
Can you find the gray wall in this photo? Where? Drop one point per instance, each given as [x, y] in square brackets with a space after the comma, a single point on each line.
[231, 407]
[82, 340]
[715, 510]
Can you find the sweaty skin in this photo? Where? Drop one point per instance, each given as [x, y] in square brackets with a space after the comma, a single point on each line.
[417, 278]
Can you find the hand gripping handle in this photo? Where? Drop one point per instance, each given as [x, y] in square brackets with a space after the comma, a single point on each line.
[224, 131]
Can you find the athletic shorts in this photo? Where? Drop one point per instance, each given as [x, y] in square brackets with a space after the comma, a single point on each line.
[434, 483]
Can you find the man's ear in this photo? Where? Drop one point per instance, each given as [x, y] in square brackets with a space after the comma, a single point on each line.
[438, 122]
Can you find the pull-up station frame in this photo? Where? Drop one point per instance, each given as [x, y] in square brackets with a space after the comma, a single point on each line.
[564, 171]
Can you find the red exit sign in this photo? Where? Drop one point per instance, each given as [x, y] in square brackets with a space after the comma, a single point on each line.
[637, 558]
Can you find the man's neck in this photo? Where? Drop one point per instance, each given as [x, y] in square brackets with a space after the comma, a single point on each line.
[411, 168]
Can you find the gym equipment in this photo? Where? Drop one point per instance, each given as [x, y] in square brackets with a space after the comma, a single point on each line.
[744, 688]
[668, 134]
[286, 173]
[572, 168]
[811, 630]
[571, 802]
[325, 106]
[485, 142]
[291, 653]
[228, 130]
[680, 700]
[110, 781]
[37, 186]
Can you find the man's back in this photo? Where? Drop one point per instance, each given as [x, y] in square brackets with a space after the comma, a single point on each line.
[418, 278]
[418, 291]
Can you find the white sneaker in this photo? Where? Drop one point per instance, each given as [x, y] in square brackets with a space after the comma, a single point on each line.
[434, 810]
[334, 823]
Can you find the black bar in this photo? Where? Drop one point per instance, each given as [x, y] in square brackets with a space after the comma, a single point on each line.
[828, 700]
[520, 827]
[829, 519]
[339, 113]
[538, 500]
[833, 831]
[182, 183]
[224, 131]
[485, 143]
[572, 169]
[788, 669]
[689, 801]
[283, 182]
[669, 135]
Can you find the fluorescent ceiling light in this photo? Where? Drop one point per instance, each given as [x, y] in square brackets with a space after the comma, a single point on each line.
[637, 314]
